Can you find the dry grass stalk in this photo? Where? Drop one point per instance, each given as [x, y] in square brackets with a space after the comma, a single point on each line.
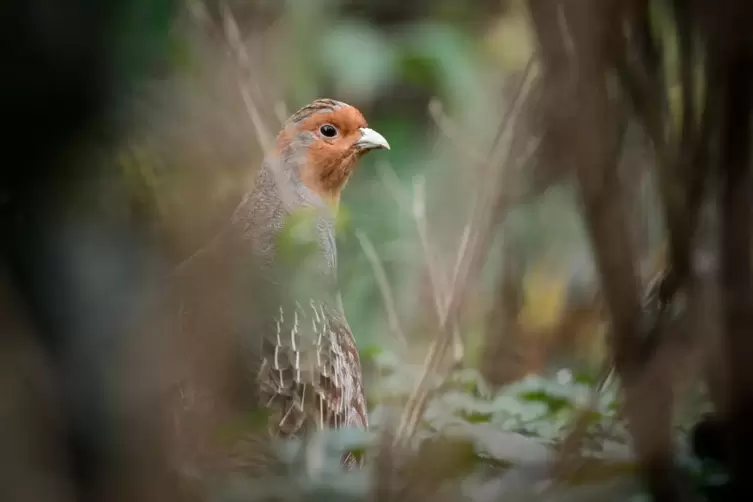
[470, 258]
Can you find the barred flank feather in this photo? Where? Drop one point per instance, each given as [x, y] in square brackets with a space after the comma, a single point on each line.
[310, 373]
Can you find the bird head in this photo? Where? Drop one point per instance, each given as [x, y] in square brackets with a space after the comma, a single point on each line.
[324, 142]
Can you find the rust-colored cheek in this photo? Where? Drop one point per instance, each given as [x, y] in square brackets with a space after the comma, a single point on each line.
[327, 171]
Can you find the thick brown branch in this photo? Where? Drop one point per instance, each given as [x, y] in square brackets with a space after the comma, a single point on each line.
[585, 134]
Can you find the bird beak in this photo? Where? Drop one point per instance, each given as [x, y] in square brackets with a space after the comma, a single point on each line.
[370, 139]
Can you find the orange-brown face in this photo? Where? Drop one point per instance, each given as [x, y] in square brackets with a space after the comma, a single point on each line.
[333, 136]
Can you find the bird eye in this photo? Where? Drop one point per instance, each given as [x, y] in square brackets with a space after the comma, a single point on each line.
[328, 130]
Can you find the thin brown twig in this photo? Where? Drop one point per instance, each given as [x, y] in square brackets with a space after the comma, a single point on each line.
[437, 279]
[436, 352]
[417, 209]
[482, 225]
[464, 241]
[384, 286]
[448, 129]
[281, 111]
[440, 286]
[233, 37]
[243, 59]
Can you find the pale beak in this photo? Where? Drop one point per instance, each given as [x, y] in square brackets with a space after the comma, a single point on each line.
[370, 139]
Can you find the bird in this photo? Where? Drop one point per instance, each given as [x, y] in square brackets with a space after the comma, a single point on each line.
[305, 367]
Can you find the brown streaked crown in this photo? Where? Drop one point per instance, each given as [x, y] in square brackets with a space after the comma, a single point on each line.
[319, 105]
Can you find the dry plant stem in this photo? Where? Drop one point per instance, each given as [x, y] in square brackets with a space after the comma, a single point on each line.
[500, 149]
[234, 41]
[482, 214]
[437, 278]
[263, 135]
[448, 129]
[416, 208]
[469, 263]
[281, 112]
[439, 347]
[384, 287]
[439, 284]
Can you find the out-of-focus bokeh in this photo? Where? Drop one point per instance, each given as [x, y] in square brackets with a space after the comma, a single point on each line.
[465, 205]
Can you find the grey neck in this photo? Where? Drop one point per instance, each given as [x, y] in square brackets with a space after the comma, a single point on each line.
[277, 194]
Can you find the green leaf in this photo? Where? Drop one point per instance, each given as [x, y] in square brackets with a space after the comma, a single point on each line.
[554, 403]
[370, 352]
[298, 238]
[343, 220]
[503, 446]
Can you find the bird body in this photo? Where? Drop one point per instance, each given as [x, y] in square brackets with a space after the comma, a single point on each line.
[307, 371]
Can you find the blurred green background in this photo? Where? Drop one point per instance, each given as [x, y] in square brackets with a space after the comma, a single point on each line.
[194, 145]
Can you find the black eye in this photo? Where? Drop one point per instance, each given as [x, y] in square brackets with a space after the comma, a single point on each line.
[328, 130]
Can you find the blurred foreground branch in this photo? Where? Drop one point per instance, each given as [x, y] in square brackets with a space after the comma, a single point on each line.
[584, 133]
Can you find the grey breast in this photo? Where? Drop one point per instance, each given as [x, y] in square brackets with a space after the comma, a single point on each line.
[289, 321]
